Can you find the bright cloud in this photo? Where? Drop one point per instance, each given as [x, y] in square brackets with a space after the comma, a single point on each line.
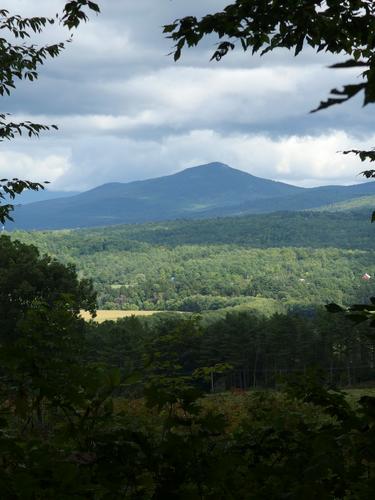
[301, 160]
[51, 167]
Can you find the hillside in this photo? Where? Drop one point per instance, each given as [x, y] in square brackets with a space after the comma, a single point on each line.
[267, 262]
[200, 192]
[363, 202]
[42, 195]
[290, 229]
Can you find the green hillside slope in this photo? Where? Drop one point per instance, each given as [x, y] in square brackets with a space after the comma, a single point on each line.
[288, 259]
[300, 229]
[354, 204]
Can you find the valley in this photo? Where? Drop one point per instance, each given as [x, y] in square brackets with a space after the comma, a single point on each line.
[266, 263]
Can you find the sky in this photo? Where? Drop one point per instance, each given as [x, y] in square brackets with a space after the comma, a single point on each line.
[126, 111]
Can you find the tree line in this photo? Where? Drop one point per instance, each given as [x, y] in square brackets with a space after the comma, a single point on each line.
[348, 229]
[256, 351]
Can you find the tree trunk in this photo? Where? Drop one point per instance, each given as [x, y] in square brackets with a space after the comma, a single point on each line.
[255, 369]
[348, 374]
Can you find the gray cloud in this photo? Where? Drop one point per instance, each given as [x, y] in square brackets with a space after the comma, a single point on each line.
[127, 111]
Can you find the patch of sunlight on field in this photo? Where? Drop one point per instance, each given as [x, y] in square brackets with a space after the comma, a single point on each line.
[113, 315]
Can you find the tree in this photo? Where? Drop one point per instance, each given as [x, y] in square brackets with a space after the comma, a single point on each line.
[27, 279]
[40, 328]
[333, 26]
[51, 401]
[21, 61]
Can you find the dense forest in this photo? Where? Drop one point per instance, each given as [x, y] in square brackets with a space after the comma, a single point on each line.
[291, 260]
[123, 410]
[246, 349]
[349, 229]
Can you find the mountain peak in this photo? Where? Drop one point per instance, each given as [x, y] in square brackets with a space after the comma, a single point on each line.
[212, 164]
[213, 168]
[207, 190]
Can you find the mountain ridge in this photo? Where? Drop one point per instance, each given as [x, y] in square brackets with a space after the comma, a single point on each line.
[204, 191]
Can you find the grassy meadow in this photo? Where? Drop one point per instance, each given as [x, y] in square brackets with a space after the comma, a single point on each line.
[113, 315]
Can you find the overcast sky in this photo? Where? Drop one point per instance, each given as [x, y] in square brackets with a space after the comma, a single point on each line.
[127, 111]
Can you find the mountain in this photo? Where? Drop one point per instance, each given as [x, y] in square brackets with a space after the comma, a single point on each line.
[205, 191]
[42, 195]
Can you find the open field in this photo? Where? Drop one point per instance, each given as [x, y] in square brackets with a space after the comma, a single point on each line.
[108, 315]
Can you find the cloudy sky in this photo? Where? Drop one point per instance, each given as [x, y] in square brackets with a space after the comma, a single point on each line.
[127, 111]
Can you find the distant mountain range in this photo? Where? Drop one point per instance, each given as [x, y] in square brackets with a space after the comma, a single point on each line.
[42, 195]
[205, 191]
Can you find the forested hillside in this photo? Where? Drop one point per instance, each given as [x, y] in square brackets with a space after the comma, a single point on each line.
[289, 259]
[351, 229]
[363, 202]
